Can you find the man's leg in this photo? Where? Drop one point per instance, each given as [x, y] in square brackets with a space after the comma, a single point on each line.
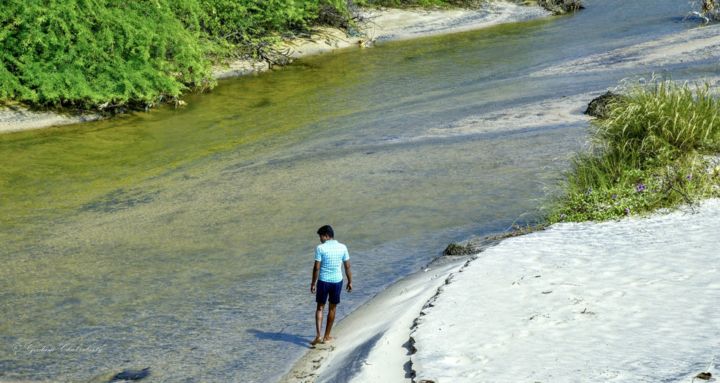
[330, 320]
[334, 293]
[318, 323]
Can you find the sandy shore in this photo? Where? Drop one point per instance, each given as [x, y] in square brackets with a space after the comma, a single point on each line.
[379, 25]
[633, 300]
[614, 302]
[377, 333]
[694, 45]
[392, 24]
[17, 118]
[630, 301]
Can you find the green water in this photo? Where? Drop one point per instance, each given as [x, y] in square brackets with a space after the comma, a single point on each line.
[181, 239]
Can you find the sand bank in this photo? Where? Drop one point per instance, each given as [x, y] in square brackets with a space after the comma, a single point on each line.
[16, 118]
[633, 300]
[393, 24]
[694, 45]
[376, 335]
[378, 25]
[594, 302]
[564, 110]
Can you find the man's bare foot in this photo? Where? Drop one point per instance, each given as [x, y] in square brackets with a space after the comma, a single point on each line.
[328, 339]
[316, 341]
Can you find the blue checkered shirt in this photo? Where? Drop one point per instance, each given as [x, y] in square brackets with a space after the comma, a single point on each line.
[331, 255]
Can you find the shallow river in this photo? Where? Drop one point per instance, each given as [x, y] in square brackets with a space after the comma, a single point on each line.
[182, 239]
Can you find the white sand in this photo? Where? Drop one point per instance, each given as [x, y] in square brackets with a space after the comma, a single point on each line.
[374, 335]
[629, 301]
[398, 24]
[698, 44]
[17, 118]
[393, 24]
[547, 112]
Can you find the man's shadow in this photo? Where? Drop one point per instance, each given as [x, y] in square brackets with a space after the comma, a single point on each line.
[281, 337]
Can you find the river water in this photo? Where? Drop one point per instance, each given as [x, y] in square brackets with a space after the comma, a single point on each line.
[182, 239]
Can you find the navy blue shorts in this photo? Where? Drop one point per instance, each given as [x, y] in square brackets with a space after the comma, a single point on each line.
[328, 288]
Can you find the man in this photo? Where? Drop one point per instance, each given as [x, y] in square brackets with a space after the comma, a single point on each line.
[327, 279]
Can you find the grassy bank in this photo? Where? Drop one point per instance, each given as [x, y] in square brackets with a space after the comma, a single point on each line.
[105, 54]
[655, 149]
[94, 54]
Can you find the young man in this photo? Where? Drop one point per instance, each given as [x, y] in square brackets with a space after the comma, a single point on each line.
[327, 279]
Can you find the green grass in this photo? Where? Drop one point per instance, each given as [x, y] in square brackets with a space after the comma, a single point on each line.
[650, 153]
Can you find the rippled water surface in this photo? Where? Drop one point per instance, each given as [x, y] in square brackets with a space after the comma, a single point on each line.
[182, 239]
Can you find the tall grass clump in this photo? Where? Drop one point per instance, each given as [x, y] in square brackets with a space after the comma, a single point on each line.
[654, 150]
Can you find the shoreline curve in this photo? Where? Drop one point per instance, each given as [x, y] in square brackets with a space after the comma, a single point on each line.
[388, 24]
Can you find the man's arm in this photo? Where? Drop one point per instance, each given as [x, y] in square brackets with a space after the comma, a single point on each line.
[315, 274]
[348, 273]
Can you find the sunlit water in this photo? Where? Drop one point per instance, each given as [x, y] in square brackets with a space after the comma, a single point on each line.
[182, 239]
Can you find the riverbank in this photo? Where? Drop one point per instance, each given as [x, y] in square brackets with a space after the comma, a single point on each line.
[628, 300]
[376, 333]
[389, 24]
[377, 25]
[571, 287]
[251, 151]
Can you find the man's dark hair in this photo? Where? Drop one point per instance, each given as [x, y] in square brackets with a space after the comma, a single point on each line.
[326, 230]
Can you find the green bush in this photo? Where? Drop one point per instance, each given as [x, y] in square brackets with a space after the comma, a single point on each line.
[239, 21]
[651, 152]
[82, 53]
[246, 28]
[99, 53]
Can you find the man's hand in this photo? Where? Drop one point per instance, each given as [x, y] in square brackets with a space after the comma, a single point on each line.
[315, 274]
[348, 274]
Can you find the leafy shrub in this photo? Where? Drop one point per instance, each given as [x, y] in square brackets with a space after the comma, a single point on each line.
[238, 21]
[249, 28]
[97, 54]
[651, 152]
[100, 53]
[82, 53]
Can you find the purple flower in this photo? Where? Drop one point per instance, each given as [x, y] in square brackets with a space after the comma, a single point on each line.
[627, 211]
[688, 177]
[614, 196]
[640, 187]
